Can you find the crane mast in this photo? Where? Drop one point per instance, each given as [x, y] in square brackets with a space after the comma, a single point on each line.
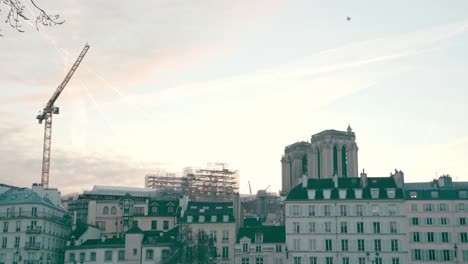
[46, 115]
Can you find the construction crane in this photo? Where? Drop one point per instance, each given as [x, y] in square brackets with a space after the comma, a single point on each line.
[46, 114]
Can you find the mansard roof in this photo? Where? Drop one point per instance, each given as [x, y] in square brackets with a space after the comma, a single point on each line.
[25, 196]
[348, 184]
[209, 209]
[271, 234]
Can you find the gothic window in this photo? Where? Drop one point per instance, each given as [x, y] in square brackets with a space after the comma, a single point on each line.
[105, 210]
[113, 210]
[344, 162]
[304, 165]
[335, 160]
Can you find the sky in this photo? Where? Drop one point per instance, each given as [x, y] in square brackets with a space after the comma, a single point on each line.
[168, 84]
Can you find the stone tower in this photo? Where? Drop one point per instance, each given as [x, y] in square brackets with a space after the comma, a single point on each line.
[330, 152]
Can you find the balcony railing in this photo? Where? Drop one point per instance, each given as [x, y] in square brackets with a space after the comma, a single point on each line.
[65, 219]
[32, 245]
[33, 229]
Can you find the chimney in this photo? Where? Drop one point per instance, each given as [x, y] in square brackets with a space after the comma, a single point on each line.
[304, 181]
[363, 178]
[335, 180]
[103, 239]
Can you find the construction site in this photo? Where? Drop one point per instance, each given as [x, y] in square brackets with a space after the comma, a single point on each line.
[214, 183]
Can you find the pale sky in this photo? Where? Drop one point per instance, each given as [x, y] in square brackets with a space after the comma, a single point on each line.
[169, 84]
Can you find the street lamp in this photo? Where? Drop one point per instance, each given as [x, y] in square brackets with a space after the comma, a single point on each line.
[375, 258]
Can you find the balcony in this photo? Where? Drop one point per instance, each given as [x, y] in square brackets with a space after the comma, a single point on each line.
[32, 246]
[33, 229]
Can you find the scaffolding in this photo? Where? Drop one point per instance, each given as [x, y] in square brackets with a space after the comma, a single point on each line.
[213, 183]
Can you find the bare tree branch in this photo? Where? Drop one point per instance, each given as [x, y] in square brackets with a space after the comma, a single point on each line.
[15, 15]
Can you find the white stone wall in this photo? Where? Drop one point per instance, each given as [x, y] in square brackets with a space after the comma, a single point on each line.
[268, 252]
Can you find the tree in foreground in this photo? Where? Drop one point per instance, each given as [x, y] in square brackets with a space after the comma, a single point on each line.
[15, 11]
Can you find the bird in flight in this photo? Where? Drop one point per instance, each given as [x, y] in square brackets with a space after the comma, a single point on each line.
[348, 18]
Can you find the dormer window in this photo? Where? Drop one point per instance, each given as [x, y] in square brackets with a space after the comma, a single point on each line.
[189, 218]
[326, 194]
[201, 218]
[170, 209]
[225, 218]
[214, 218]
[434, 194]
[391, 193]
[413, 195]
[311, 194]
[374, 193]
[259, 238]
[463, 194]
[342, 193]
[358, 193]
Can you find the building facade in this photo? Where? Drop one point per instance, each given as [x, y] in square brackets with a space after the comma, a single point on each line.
[34, 227]
[261, 245]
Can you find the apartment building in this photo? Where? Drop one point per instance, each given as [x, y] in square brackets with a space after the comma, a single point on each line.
[261, 245]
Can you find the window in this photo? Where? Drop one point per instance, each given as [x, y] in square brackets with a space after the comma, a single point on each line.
[361, 245]
[225, 236]
[245, 261]
[443, 221]
[375, 209]
[5, 226]
[105, 210]
[18, 226]
[377, 245]
[313, 260]
[445, 237]
[427, 207]
[82, 257]
[170, 209]
[134, 223]
[374, 193]
[415, 221]
[259, 260]
[460, 207]
[326, 210]
[201, 218]
[72, 257]
[139, 211]
[395, 261]
[463, 237]
[343, 210]
[329, 260]
[225, 254]
[359, 210]
[295, 210]
[297, 244]
[430, 236]
[311, 210]
[34, 211]
[362, 260]
[149, 254]
[121, 255]
[312, 244]
[378, 260]
[328, 245]
[134, 251]
[113, 210]
[417, 254]
[432, 254]
[154, 224]
[344, 227]
[462, 221]
[360, 227]
[297, 260]
[245, 247]
[392, 210]
[108, 255]
[4, 242]
[463, 194]
[92, 256]
[165, 225]
[258, 248]
[311, 227]
[429, 221]
[297, 228]
[345, 260]
[443, 207]
[344, 245]
[414, 207]
[393, 228]
[376, 226]
[279, 248]
[446, 255]
[416, 237]
[189, 218]
[327, 227]
[394, 245]
[214, 218]
[17, 242]
[154, 209]
[225, 218]
[214, 236]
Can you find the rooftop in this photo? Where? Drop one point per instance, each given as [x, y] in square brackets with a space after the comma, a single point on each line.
[271, 234]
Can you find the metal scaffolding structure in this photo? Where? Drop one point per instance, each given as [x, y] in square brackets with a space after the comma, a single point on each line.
[214, 183]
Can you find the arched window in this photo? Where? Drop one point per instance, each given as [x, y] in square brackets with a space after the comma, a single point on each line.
[105, 210]
[113, 210]
[304, 165]
[344, 162]
[318, 163]
[335, 160]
